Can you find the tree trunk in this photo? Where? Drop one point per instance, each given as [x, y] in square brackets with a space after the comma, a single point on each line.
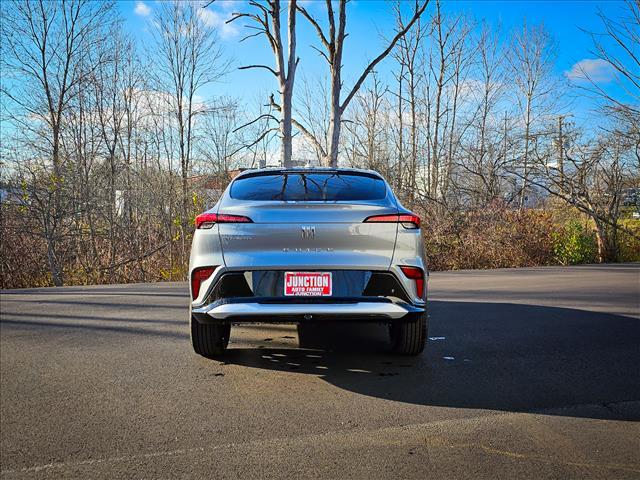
[527, 132]
[414, 133]
[52, 260]
[399, 179]
[334, 43]
[112, 214]
[286, 149]
[331, 160]
[606, 242]
[56, 212]
[335, 116]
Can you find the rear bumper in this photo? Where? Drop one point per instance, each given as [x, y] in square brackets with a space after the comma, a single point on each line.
[268, 310]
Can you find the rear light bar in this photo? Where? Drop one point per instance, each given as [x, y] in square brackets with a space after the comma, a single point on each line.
[416, 274]
[198, 276]
[207, 220]
[408, 220]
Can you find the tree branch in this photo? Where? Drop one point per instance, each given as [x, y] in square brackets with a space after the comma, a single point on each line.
[247, 67]
[264, 115]
[416, 15]
[315, 25]
[309, 135]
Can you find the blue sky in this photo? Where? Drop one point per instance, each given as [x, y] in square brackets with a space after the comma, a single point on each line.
[368, 20]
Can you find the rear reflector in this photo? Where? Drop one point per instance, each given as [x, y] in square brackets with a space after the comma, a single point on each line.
[198, 276]
[409, 220]
[207, 220]
[416, 274]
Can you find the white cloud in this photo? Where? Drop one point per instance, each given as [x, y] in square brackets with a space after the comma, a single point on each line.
[217, 20]
[593, 69]
[142, 9]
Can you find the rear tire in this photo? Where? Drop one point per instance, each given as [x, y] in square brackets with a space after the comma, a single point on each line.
[207, 340]
[409, 337]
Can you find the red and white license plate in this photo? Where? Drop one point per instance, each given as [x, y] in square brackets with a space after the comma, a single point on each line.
[307, 284]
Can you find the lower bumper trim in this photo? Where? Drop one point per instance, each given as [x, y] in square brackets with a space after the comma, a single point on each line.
[261, 312]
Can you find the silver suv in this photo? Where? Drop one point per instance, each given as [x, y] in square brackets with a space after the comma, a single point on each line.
[307, 246]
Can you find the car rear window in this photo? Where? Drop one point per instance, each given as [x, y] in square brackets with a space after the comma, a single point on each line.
[314, 187]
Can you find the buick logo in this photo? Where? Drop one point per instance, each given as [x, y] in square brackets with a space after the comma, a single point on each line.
[308, 231]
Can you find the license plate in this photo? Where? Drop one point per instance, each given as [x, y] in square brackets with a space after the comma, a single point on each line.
[313, 284]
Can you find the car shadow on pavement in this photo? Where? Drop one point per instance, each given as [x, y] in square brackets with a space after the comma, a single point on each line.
[497, 356]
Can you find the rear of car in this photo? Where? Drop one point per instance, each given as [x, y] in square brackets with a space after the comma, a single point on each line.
[307, 246]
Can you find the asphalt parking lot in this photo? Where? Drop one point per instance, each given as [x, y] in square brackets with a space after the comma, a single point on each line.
[528, 373]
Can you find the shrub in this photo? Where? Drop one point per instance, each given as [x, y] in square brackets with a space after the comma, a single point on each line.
[492, 237]
[629, 245]
[573, 243]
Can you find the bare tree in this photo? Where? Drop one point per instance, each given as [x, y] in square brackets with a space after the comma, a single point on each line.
[48, 47]
[407, 55]
[260, 150]
[332, 50]
[265, 20]
[462, 55]
[617, 46]
[485, 158]
[312, 110]
[531, 60]
[597, 172]
[446, 65]
[223, 138]
[188, 58]
[368, 126]
[133, 151]
[593, 175]
[109, 86]
[399, 128]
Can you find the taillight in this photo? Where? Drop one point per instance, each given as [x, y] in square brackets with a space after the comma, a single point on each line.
[416, 274]
[198, 276]
[408, 220]
[207, 220]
